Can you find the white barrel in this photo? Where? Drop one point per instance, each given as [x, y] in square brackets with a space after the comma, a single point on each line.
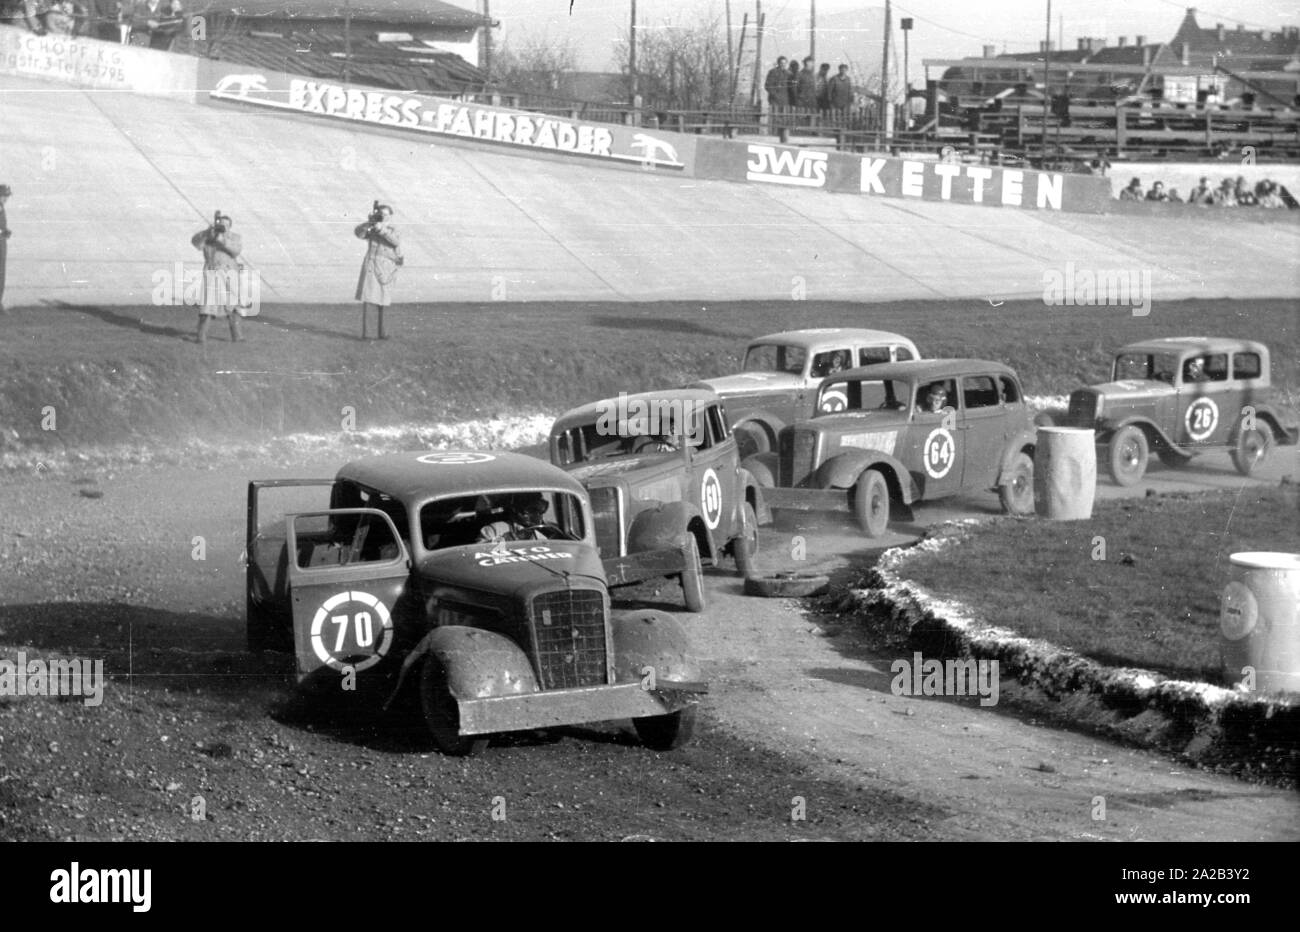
[1065, 473]
[1259, 620]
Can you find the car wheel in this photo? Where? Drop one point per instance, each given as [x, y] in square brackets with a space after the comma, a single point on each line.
[751, 440]
[666, 732]
[745, 547]
[693, 576]
[1017, 493]
[871, 503]
[1128, 456]
[786, 585]
[1251, 448]
[440, 713]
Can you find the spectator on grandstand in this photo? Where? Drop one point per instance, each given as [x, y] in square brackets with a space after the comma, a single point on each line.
[778, 94]
[161, 19]
[1157, 192]
[840, 91]
[1100, 165]
[1245, 196]
[806, 86]
[792, 82]
[34, 15]
[61, 18]
[1226, 195]
[823, 87]
[1174, 196]
[1202, 194]
[1133, 192]
[1268, 196]
[125, 16]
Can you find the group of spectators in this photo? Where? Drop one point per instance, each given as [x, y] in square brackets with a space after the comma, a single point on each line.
[1229, 193]
[155, 23]
[790, 86]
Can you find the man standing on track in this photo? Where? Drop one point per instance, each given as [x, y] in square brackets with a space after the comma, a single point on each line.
[220, 249]
[379, 268]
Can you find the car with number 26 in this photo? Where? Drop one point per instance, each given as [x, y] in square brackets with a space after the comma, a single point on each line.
[907, 432]
[464, 584]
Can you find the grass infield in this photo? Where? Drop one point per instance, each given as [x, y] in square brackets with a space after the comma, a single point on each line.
[132, 375]
[1138, 585]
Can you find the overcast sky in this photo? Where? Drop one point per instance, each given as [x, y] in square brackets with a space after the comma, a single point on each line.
[943, 28]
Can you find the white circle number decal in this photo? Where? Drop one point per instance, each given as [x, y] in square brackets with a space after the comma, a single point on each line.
[711, 499]
[1201, 418]
[349, 624]
[1238, 611]
[456, 459]
[939, 454]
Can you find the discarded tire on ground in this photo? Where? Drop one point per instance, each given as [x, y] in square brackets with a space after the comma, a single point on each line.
[786, 585]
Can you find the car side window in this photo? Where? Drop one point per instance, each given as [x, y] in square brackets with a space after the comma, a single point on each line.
[718, 429]
[871, 355]
[1010, 391]
[1246, 366]
[980, 391]
[903, 354]
[1210, 367]
[831, 362]
[343, 540]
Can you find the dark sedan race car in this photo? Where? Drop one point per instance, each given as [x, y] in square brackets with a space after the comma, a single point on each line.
[472, 581]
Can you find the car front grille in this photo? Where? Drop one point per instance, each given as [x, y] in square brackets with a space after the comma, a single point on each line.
[607, 514]
[802, 459]
[569, 631]
[1083, 407]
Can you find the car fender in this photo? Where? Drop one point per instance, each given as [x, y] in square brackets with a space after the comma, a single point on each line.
[479, 663]
[843, 469]
[661, 527]
[764, 420]
[753, 492]
[762, 465]
[1285, 432]
[1023, 442]
[649, 638]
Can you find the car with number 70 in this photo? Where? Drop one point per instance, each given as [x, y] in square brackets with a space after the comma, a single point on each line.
[906, 432]
[465, 584]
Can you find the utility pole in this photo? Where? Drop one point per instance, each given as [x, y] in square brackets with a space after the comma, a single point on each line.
[884, 72]
[760, 22]
[740, 57]
[731, 58]
[1047, 63]
[631, 64]
[906, 25]
[812, 30]
[347, 40]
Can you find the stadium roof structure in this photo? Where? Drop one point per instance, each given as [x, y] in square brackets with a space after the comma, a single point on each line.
[393, 12]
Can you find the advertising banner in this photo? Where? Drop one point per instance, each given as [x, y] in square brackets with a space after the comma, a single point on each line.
[631, 146]
[91, 63]
[882, 176]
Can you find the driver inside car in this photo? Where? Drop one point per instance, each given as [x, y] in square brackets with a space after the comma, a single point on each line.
[525, 520]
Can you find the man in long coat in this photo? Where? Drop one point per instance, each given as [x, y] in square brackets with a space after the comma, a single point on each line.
[379, 268]
[221, 269]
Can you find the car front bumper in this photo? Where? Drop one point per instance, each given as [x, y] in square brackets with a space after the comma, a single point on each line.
[573, 706]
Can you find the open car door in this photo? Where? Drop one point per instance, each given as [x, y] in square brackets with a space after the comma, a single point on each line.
[348, 568]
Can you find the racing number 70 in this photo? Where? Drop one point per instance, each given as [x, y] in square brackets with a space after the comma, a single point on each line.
[365, 634]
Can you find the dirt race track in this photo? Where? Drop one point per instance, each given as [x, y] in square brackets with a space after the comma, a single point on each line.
[800, 709]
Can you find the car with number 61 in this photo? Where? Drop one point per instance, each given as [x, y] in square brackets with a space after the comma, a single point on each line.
[668, 493]
[890, 446]
[1180, 396]
[394, 580]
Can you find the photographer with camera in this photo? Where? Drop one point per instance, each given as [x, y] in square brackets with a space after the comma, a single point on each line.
[221, 250]
[379, 268]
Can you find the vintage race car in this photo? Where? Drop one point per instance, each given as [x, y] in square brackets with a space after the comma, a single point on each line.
[667, 490]
[421, 578]
[1181, 396]
[891, 447]
[782, 372]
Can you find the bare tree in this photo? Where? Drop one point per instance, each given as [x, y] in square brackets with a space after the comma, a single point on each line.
[681, 67]
[538, 66]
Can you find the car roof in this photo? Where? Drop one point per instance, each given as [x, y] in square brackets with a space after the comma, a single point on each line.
[1195, 345]
[921, 369]
[588, 413]
[425, 474]
[811, 338]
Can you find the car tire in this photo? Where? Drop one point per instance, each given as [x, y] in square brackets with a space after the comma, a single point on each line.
[693, 577]
[666, 732]
[1251, 448]
[440, 714]
[745, 547]
[1127, 456]
[751, 440]
[1017, 492]
[786, 585]
[871, 503]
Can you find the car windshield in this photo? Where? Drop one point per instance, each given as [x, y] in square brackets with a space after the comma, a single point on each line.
[1139, 366]
[514, 515]
[775, 357]
[642, 430]
[863, 395]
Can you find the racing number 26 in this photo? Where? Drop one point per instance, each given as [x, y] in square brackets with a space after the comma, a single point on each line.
[365, 632]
